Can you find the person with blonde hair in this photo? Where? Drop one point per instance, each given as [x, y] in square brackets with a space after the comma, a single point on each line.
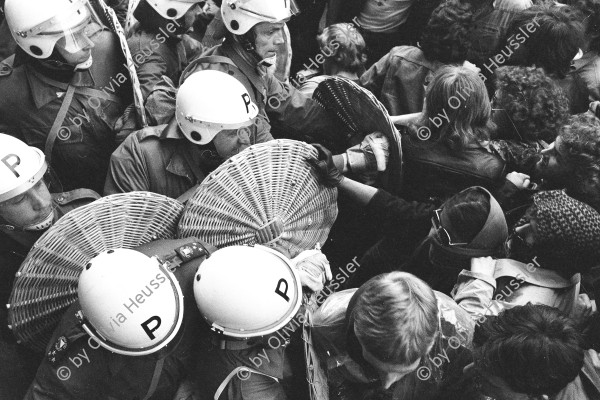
[393, 334]
[343, 47]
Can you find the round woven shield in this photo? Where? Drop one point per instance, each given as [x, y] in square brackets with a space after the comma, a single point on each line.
[266, 195]
[46, 283]
[360, 113]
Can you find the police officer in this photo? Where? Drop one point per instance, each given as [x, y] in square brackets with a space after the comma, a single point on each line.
[27, 210]
[132, 333]
[67, 88]
[162, 160]
[158, 50]
[250, 296]
[255, 33]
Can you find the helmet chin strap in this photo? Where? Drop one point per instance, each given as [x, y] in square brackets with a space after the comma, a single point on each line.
[84, 65]
[40, 226]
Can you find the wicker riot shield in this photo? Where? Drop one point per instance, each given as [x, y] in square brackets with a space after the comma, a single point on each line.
[46, 283]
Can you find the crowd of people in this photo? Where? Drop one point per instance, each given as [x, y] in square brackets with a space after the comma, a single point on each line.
[476, 278]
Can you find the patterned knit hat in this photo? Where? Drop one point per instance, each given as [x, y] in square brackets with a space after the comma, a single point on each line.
[567, 232]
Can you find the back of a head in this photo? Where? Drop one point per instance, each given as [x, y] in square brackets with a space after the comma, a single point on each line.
[535, 349]
[534, 102]
[458, 94]
[396, 317]
[445, 38]
[554, 38]
[344, 45]
[466, 212]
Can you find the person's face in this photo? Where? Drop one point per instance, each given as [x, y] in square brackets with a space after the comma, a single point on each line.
[190, 16]
[388, 373]
[77, 47]
[269, 36]
[29, 208]
[553, 165]
[232, 141]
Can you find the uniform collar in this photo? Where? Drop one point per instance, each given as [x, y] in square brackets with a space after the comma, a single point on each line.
[44, 89]
[172, 131]
[236, 53]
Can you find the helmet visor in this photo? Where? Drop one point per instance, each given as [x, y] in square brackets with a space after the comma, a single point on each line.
[72, 26]
[275, 16]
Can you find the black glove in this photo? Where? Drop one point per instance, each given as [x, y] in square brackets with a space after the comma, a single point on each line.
[325, 168]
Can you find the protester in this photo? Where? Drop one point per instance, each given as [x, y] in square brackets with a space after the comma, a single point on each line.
[344, 50]
[530, 351]
[572, 160]
[588, 66]
[399, 78]
[447, 149]
[389, 337]
[551, 38]
[558, 239]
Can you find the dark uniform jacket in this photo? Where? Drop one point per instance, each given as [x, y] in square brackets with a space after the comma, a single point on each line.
[33, 94]
[77, 367]
[159, 159]
[14, 246]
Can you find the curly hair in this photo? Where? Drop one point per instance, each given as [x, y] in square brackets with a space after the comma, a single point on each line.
[460, 95]
[535, 104]
[446, 36]
[580, 141]
[344, 45]
[555, 40]
[535, 349]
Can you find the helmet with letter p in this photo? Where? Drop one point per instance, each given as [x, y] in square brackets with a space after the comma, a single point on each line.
[240, 16]
[211, 101]
[247, 291]
[38, 25]
[172, 9]
[131, 304]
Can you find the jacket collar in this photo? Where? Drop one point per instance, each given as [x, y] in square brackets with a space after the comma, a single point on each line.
[44, 89]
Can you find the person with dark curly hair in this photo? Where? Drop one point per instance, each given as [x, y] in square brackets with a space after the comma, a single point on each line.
[573, 160]
[527, 352]
[343, 47]
[529, 109]
[529, 106]
[588, 66]
[398, 80]
[551, 38]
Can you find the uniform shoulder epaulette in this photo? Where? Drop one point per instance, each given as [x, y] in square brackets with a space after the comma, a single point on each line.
[74, 195]
[150, 131]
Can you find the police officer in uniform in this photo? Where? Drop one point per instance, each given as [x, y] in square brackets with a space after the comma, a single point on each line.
[67, 89]
[251, 297]
[27, 210]
[133, 332]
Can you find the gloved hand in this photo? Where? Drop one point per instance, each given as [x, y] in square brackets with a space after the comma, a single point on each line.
[325, 168]
[369, 156]
[313, 268]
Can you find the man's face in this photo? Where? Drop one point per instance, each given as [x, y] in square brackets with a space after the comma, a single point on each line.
[232, 141]
[29, 208]
[388, 373]
[553, 165]
[269, 36]
[76, 47]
